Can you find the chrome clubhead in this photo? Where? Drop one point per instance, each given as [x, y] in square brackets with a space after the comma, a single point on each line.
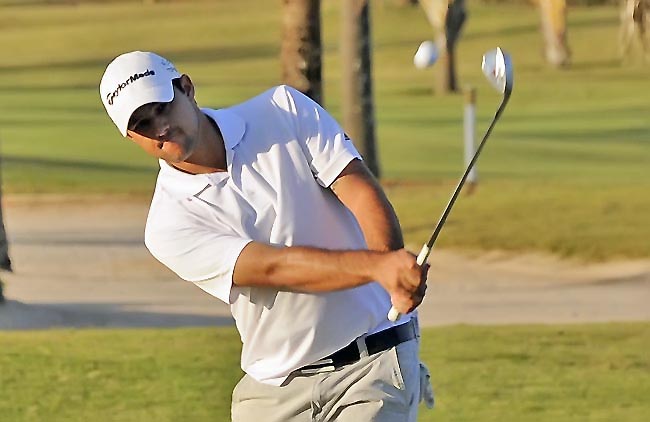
[497, 68]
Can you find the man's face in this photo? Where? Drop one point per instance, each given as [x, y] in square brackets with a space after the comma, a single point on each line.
[168, 130]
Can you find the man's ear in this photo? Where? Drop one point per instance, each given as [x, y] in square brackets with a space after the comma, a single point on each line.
[187, 86]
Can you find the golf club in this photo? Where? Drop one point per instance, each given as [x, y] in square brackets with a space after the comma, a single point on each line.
[497, 68]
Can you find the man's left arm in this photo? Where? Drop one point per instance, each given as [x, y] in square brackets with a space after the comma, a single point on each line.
[361, 193]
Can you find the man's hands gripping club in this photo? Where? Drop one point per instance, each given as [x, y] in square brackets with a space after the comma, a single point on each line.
[403, 279]
[313, 270]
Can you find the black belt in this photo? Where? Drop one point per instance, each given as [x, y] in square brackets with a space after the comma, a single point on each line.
[375, 343]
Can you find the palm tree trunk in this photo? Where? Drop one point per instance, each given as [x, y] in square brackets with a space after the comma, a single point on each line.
[5, 262]
[358, 109]
[446, 18]
[554, 31]
[300, 52]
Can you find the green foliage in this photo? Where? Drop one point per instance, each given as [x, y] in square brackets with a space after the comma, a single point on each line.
[516, 373]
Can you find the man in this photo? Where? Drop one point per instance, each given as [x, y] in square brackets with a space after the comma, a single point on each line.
[267, 206]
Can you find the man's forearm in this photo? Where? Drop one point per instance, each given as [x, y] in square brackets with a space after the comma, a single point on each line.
[303, 269]
[312, 270]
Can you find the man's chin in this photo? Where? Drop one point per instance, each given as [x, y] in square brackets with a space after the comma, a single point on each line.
[174, 154]
[175, 159]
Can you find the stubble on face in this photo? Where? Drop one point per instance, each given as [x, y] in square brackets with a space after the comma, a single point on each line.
[162, 130]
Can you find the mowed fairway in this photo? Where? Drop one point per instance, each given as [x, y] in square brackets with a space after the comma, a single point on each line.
[566, 170]
[526, 373]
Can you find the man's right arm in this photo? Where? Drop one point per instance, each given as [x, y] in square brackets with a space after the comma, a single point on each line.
[313, 270]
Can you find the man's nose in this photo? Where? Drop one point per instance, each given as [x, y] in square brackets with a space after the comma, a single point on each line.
[161, 129]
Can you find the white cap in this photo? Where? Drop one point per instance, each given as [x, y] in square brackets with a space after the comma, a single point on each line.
[135, 79]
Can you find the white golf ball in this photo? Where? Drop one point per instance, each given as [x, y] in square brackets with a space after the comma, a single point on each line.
[426, 55]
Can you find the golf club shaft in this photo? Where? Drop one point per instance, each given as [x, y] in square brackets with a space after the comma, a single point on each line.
[453, 198]
[393, 314]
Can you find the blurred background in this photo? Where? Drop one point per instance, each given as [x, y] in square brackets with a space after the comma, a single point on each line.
[539, 295]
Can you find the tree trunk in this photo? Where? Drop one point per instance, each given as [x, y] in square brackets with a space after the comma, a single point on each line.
[446, 18]
[635, 17]
[358, 110]
[300, 53]
[554, 31]
[5, 262]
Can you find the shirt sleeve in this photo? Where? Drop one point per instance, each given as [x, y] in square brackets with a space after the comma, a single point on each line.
[327, 148]
[195, 253]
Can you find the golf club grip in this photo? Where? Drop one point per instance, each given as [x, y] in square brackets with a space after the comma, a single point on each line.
[393, 314]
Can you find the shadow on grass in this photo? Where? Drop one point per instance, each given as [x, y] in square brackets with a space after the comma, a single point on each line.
[53, 239]
[508, 31]
[223, 53]
[62, 88]
[575, 114]
[596, 64]
[632, 135]
[15, 315]
[597, 22]
[73, 164]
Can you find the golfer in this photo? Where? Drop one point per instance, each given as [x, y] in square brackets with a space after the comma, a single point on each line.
[267, 206]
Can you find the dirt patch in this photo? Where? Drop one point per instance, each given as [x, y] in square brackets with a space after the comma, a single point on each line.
[81, 262]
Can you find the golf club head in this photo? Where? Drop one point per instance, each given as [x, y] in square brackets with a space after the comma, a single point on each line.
[497, 68]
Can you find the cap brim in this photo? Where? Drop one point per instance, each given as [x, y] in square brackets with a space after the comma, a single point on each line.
[154, 94]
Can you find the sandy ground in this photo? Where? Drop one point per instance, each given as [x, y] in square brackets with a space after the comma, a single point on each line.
[81, 262]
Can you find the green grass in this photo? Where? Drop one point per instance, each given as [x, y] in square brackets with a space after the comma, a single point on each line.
[508, 373]
[565, 172]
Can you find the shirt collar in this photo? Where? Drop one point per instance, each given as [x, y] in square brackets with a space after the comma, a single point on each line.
[231, 125]
[183, 185]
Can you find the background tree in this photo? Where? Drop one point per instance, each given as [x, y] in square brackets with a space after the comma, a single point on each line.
[447, 18]
[5, 262]
[300, 52]
[358, 109]
[554, 31]
[635, 19]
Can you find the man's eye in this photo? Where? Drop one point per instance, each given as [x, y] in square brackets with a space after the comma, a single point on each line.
[142, 125]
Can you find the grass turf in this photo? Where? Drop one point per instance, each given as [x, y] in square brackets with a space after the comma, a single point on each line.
[597, 372]
[566, 170]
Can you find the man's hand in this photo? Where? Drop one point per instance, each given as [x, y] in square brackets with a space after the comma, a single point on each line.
[405, 280]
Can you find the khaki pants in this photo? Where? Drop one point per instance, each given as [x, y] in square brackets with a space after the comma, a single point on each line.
[384, 387]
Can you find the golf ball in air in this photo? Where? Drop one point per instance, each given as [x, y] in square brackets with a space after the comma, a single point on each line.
[426, 55]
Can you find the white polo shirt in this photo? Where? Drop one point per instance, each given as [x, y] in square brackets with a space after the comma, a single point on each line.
[283, 151]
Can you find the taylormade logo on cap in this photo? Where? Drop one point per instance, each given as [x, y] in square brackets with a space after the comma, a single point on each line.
[123, 85]
[134, 79]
